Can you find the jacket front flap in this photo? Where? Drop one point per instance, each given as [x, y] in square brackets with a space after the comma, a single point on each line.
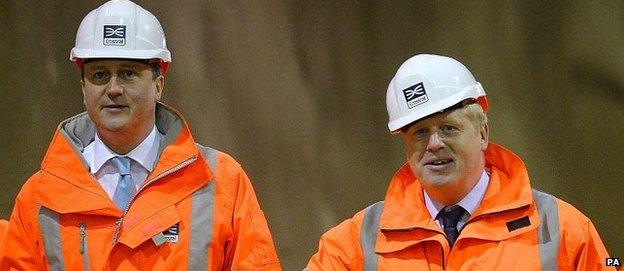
[155, 209]
[405, 220]
[64, 171]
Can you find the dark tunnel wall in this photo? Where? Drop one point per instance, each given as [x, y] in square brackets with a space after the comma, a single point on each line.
[296, 92]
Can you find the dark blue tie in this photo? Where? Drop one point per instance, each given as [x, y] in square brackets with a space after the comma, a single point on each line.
[449, 216]
[125, 187]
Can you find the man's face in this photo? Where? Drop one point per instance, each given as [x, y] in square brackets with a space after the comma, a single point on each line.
[447, 150]
[120, 95]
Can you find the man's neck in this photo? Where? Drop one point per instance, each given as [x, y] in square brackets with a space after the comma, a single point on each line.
[123, 142]
[469, 202]
[451, 194]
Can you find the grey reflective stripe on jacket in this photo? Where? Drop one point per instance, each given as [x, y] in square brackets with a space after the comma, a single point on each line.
[201, 224]
[547, 233]
[51, 232]
[368, 235]
[202, 214]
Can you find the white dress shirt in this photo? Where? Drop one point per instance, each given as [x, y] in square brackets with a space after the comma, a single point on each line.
[142, 162]
[470, 202]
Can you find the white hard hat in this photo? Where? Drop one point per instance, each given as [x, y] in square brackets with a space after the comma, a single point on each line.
[426, 84]
[120, 29]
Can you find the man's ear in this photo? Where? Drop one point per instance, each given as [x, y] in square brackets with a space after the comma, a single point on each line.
[484, 133]
[160, 85]
[82, 88]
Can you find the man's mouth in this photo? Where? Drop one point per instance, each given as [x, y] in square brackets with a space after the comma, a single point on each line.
[439, 162]
[115, 106]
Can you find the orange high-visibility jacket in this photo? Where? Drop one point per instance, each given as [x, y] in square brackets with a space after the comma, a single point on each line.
[514, 228]
[3, 226]
[195, 211]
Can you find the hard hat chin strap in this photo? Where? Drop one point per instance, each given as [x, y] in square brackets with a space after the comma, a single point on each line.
[79, 63]
[164, 67]
[483, 102]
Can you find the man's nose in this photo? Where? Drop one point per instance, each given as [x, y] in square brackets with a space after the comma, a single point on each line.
[114, 86]
[435, 143]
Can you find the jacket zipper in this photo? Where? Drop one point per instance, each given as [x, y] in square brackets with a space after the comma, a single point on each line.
[83, 246]
[119, 221]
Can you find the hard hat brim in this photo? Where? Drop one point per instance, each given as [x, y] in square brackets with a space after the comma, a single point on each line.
[163, 55]
[473, 92]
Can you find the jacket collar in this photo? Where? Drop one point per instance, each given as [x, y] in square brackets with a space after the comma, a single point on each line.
[405, 220]
[66, 172]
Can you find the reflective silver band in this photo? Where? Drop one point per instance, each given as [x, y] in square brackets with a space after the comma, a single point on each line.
[368, 235]
[548, 231]
[51, 233]
[201, 225]
[202, 213]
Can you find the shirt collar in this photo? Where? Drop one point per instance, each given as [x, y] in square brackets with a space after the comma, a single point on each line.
[470, 202]
[144, 154]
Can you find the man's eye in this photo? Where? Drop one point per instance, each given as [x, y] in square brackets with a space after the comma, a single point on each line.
[447, 128]
[99, 75]
[127, 74]
[420, 132]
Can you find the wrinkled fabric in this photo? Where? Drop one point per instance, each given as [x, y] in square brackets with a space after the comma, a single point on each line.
[3, 226]
[493, 239]
[240, 237]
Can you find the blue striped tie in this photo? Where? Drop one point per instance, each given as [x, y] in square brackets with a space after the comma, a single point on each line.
[125, 187]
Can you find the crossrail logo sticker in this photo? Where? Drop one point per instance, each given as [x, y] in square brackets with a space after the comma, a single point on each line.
[415, 95]
[114, 35]
[171, 234]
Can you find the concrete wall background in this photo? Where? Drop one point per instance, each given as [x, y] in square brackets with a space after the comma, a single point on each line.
[296, 92]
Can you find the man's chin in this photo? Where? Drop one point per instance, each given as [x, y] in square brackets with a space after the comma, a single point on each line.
[113, 127]
[437, 181]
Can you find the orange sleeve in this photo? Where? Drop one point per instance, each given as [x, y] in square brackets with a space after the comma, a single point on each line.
[339, 248]
[20, 250]
[592, 253]
[581, 248]
[3, 226]
[252, 245]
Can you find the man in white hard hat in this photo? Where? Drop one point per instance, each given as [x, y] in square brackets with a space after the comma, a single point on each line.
[124, 186]
[460, 202]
